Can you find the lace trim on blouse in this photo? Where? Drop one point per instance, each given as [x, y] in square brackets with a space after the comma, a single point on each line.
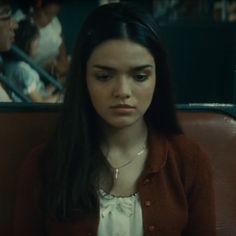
[120, 216]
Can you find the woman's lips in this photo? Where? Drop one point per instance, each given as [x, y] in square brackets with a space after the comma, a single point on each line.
[122, 109]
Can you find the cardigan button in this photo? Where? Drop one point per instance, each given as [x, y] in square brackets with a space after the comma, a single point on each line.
[151, 228]
[90, 233]
[147, 203]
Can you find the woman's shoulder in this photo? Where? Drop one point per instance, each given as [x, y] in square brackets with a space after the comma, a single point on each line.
[186, 146]
[177, 143]
[178, 150]
[189, 161]
[182, 152]
[188, 155]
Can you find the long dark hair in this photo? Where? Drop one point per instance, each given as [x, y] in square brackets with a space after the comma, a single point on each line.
[72, 171]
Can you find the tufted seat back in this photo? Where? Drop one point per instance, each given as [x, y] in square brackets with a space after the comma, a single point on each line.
[216, 133]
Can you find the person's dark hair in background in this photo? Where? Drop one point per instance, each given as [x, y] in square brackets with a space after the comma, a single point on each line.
[107, 121]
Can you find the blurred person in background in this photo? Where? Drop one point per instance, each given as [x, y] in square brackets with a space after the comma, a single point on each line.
[7, 27]
[21, 74]
[52, 54]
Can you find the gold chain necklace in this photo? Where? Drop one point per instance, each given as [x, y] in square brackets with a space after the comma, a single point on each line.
[117, 169]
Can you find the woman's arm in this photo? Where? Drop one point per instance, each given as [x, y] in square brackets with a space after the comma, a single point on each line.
[201, 200]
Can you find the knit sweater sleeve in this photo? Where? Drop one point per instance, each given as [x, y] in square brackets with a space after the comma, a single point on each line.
[201, 201]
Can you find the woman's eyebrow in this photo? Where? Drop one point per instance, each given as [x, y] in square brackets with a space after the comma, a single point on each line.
[142, 67]
[108, 68]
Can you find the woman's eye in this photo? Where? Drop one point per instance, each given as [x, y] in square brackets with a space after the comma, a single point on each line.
[103, 77]
[141, 77]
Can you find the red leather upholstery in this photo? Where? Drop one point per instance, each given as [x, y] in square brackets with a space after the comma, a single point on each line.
[19, 133]
[216, 133]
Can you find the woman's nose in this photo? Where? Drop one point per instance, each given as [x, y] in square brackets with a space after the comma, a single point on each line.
[122, 88]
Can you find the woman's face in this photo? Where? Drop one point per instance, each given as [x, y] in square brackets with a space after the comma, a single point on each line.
[121, 78]
[46, 14]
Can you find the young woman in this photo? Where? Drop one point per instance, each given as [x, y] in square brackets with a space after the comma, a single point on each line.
[120, 164]
[20, 73]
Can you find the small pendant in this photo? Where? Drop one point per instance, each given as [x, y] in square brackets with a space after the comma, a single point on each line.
[116, 173]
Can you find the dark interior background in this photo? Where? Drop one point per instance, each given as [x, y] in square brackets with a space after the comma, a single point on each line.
[201, 51]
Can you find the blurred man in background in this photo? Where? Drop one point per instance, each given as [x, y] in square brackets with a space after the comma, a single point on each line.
[7, 27]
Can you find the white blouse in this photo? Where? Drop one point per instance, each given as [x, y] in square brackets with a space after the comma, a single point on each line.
[120, 216]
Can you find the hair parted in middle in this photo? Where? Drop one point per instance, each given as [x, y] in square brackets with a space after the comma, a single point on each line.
[128, 22]
[77, 161]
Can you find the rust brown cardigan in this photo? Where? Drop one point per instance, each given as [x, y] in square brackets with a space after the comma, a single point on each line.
[175, 191]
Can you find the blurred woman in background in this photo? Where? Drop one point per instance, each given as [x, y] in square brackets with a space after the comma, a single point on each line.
[52, 53]
[20, 73]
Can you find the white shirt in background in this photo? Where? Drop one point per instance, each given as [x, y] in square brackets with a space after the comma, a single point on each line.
[120, 216]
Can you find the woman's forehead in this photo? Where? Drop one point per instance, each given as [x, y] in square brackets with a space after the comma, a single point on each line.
[121, 55]
[124, 49]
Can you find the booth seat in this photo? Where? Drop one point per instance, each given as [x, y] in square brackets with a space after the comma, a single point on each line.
[213, 129]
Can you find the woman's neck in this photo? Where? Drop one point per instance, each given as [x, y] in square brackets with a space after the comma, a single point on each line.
[126, 138]
[126, 152]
